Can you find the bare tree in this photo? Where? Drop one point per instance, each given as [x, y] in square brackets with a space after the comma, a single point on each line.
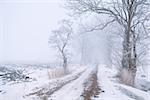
[131, 15]
[60, 39]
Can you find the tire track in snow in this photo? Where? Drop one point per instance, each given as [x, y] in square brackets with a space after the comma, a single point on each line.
[72, 90]
[43, 92]
[91, 87]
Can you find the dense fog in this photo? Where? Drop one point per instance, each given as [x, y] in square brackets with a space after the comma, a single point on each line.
[25, 29]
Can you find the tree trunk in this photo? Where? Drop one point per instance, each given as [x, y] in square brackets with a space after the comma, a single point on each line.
[128, 71]
[126, 51]
[134, 56]
[65, 65]
[126, 74]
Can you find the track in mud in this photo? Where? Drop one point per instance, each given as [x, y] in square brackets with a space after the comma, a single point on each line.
[91, 87]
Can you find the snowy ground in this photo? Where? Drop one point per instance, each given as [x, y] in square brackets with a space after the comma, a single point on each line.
[52, 84]
[73, 90]
[107, 85]
[115, 91]
[40, 77]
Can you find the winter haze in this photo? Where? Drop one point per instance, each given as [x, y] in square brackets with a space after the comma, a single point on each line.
[74, 49]
[25, 27]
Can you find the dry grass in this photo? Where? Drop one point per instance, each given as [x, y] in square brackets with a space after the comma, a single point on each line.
[45, 97]
[127, 77]
[55, 73]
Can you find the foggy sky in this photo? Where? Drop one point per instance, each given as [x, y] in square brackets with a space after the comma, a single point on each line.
[25, 26]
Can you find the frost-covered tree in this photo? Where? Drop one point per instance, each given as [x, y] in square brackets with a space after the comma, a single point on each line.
[131, 15]
[60, 38]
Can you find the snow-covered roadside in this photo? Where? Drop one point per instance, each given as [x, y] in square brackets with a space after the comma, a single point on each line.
[142, 80]
[112, 90]
[107, 84]
[134, 93]
[73, 90]
[18, 91]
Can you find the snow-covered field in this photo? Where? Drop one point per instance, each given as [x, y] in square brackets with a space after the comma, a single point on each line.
[40, 78]
[49, 83]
